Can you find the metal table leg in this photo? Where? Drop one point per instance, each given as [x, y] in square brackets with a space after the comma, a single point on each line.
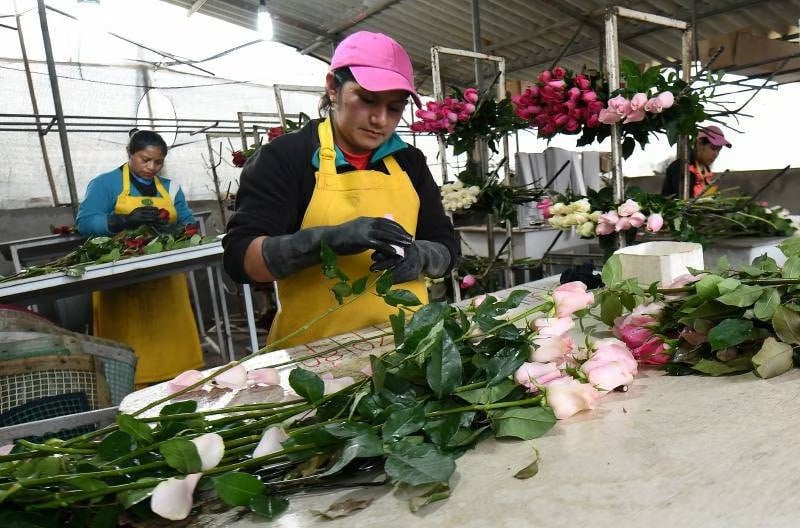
[197, 309]
[215, 306]
[225, 319]
[251, 319]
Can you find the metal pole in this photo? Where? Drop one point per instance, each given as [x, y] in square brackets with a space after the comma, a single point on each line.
[62, 128]
[687, 43]
[438, 95]
[34, 104]
[612, 70]
[476, 41]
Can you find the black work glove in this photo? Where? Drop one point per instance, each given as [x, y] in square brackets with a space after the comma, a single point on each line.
[422, 256]
[288, 254]
[138, 217]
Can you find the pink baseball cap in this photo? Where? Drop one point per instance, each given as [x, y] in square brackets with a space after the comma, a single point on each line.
[377, 62]
[714, 136]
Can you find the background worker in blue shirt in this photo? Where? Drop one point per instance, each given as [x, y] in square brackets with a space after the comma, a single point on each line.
[155, 318]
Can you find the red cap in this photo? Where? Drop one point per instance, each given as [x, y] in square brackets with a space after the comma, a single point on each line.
[377, 62]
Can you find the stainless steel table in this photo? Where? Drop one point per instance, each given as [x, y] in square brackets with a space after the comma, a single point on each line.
[131, 271]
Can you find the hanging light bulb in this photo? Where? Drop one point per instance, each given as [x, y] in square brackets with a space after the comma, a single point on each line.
[264, 20]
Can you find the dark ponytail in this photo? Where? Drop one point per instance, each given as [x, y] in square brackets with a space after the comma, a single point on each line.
[141, 139]
[340, 77]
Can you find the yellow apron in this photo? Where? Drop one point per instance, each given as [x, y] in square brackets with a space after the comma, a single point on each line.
[154, 318]
[338, 198]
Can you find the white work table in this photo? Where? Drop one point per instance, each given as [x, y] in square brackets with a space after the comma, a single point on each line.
[672, 451]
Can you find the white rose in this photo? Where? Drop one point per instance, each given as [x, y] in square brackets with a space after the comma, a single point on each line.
[586, 229]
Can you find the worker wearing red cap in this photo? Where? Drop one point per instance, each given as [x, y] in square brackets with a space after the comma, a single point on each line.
[710, 141]
[350, 181]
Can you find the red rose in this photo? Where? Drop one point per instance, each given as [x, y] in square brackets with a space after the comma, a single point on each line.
[163, 215]
[274, 132]
[239, 159]
[191, 230]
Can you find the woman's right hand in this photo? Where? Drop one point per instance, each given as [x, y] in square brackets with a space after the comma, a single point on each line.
[140, 216]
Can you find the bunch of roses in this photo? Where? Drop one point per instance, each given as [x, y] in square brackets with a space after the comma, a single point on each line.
[456, 196]
[440, 117]
[636, 330]
[622, 109]
[628, 216]
[559, 103]
[576, 214]
[572, 379]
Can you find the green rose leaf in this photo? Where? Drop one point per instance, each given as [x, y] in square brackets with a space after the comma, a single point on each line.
[138, 430]
[525, 423]
[791, 268]
[182, 407]
[612, 271]
[504, 363]
[401, 297]
[610, 308]
[398, 322]
[713, 367]
[531, 469]
[306, 384]
[130, 498]
[359, 285]
[707, 287]
[181, 455]
[403, 422]
[384, 283]
[729, 332]
[444, 367]
[155, 246]
[766, 305]
[773, 359]
[269, 506]
[363, 446]
[790, 247]
[237, 489]
[419, 464]
[441, 430]
[786, 323]
[492, 394]
[728, 285]
[38, 468]
[743, 296]
[115, 445]
[428, 495]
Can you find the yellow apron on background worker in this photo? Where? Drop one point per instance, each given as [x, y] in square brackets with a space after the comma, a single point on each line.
[339, 198]
[155, 317]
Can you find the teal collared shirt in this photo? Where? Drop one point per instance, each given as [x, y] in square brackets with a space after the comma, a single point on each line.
[387, 148]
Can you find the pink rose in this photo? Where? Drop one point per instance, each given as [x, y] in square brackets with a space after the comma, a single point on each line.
[611, 350]
[609, 376]
[582, 82]
[552, 349]
[653, 352]
[545, 76]
[589, 96]
[623, 224]
[620, 105]
[172, 498]
[567, 396]
[553, 326]
[185, 379]
[655, 222]
[654, 106]
[571, 297]
[686, 279]
[635, 116]
[543, 206]
[638, 101]
[609, 117]
[468, 281]
[469, 108]
[637, 220]
[604, 229]
[559, 72]
[667, 99]
[628, 208]
[531, 375]
[611, 217]
[471, 95]
[426, 115]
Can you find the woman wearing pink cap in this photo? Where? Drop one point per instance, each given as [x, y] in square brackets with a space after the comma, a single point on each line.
[347, 179]
[710, 141]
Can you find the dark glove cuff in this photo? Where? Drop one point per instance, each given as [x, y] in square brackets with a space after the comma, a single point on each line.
[287, 254]
[435, 258]
[116, 223]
